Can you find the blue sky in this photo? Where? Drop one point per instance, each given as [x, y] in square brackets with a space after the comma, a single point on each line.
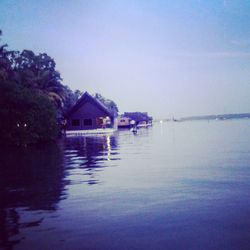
[170, 58]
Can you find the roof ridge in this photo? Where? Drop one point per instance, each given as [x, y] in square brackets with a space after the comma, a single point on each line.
[98, 102]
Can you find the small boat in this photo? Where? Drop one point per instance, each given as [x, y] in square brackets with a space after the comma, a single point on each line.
[134, 130]
[143, 125]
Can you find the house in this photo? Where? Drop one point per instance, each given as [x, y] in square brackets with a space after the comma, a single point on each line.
[124, 122]
[89, 115]
[141, 118]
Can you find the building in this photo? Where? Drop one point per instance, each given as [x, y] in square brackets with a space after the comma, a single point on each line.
[140, 118]
[124, 122]
[89, 115]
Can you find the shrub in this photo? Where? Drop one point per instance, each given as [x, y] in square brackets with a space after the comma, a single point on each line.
[25, 116]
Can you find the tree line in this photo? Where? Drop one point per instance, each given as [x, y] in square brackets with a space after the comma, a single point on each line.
[33, 99]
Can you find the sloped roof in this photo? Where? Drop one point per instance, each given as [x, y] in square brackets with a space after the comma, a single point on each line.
[86, 97]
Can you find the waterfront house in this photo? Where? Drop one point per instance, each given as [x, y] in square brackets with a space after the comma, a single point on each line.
[89, 115]
[124, 122]
[140, 118]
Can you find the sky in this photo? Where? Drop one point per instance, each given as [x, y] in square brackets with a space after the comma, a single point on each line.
[168, 58]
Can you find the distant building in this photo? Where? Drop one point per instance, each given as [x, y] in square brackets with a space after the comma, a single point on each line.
[140, 118]
[124, 122]
[89, 115]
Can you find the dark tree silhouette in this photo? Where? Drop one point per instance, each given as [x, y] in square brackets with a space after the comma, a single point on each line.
[107, 102]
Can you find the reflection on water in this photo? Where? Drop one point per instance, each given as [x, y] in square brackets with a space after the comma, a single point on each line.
[174, 186]
[87, 155]
[35, 179]
[30, 179]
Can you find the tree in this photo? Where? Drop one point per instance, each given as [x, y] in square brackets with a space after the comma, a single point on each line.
[26, 117]
[70, 99]
[38, 73]
[29, 89]
[5, 64]
[107, 102]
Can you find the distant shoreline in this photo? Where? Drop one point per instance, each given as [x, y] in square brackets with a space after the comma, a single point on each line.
[210, 117]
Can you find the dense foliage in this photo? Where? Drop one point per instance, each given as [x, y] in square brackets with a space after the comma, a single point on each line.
[26, 117]
[107, 102]
[32, 97]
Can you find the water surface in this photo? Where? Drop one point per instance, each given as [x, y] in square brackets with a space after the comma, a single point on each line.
[173, 186]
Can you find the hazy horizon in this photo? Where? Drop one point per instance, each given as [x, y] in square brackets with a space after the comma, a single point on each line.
[166, 58]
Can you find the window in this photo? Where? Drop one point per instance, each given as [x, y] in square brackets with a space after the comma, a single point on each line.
[75, 122]
[87, 122]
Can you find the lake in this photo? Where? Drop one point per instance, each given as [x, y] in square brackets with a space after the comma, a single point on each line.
[176, 185]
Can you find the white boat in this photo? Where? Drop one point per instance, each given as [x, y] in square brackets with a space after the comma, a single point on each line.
[143, 124]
